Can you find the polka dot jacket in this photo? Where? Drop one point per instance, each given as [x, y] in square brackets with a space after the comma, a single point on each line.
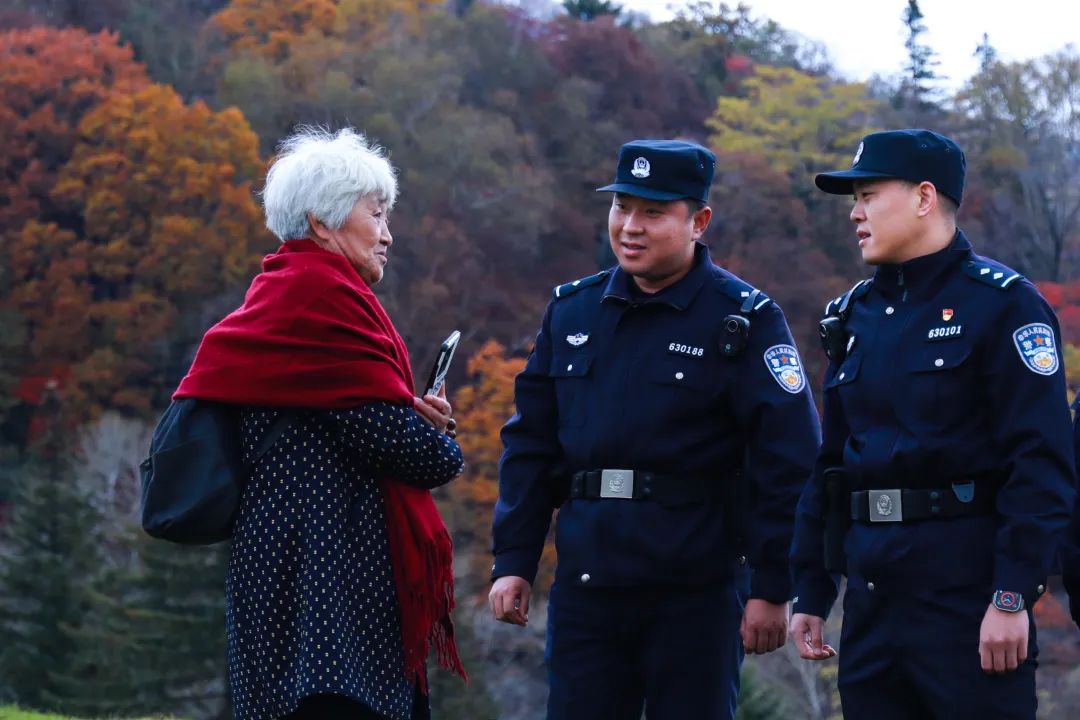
[310, 597]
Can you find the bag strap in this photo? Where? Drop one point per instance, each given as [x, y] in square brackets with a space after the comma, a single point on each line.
[277, 429]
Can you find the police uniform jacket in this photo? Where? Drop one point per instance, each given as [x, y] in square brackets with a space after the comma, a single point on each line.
[953, 373]
[621, 379]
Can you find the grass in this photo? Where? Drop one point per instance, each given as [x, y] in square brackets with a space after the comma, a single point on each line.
[10, 712]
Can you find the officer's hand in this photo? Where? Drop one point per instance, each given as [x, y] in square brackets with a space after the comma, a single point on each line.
[764, 626]
[509, 600]
[1003, 640]
[806, 634]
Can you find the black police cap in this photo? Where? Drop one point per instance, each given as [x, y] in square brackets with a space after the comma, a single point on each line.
[663, 170]
[913, 155]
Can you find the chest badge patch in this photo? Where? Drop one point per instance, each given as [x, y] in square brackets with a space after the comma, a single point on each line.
[945, 332]
[684, 349]
[578, 339]
[946, 314]
[783, 363]
[1037, 347]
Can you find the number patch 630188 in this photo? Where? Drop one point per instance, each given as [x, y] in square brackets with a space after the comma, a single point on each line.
[682, 349]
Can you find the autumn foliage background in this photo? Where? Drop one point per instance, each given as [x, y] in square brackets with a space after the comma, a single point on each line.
[134, 136]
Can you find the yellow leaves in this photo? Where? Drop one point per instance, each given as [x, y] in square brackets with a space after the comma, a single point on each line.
[1004, 157]
[1072, 369]
[271, 27]
[49, 79]
[800, 123]
[368, 15]
[167, 220]
[484, 405]
[481, 407]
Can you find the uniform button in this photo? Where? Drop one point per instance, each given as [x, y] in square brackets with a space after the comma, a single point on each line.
[870, 586]
[679, 376]
[841, 376]
[934, 495]
[585, 577]
[939, 362]
[890, 310]
[1041, 589]
[569, 367]
[742, 559]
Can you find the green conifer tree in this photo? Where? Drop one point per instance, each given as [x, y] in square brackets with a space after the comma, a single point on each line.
[591, 9]
[758, 698]
[918, 91]
[152, 638]
[47, 557]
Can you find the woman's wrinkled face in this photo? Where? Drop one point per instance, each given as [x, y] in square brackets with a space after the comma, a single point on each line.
[364, 240]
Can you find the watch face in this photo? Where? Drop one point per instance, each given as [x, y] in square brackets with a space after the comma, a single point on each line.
[1008, 601]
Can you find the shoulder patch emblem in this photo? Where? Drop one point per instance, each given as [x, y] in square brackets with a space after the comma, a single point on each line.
[783, 363]
[991, 273]
[1037, 347]
[570, 288]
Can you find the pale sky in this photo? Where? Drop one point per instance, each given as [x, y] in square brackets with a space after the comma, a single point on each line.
[864, 37]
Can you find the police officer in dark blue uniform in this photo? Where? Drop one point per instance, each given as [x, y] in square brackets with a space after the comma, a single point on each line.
[665, 408]
[1070, 554]
[946, 473]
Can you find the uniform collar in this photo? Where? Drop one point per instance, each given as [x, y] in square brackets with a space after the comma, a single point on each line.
[679, 295]
[918, 276]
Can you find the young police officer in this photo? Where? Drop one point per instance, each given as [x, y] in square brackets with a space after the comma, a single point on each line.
[665, 407]
[947, 426]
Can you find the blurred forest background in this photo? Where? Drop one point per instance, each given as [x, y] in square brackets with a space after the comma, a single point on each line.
[134, 135]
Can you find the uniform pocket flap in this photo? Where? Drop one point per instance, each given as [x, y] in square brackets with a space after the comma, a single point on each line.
[847, 372]
[570, 365]
[682, 373]
[939, 356]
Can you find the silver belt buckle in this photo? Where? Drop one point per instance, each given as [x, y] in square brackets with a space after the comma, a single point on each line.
[617, 484]
[886, 505]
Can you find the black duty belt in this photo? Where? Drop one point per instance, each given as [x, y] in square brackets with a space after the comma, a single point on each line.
[643, 485]
[899, 505]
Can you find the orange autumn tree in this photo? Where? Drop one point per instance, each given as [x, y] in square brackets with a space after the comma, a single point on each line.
[50, 79]
[168, 221]
[482, 406]
[270, 28]
[273, 28]
[285, 62]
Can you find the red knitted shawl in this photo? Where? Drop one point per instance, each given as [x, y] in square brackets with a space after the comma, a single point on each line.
[312, 334]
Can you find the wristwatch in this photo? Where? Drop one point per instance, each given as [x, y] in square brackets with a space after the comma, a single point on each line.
[1008, 601]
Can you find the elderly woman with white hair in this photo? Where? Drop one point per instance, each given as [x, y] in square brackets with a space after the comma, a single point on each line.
[340, 578]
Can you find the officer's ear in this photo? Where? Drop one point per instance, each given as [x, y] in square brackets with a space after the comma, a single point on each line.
[927, 198]
[700, 219]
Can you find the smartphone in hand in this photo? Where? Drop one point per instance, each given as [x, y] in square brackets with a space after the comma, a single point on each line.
[442, 364]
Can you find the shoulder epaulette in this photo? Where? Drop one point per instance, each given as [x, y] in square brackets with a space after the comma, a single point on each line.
[750, 299]
[840, 305]
[992, 273]
[570, 288]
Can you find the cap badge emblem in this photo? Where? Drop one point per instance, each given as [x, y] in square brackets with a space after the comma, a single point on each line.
[858, 155]
[641, 168]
